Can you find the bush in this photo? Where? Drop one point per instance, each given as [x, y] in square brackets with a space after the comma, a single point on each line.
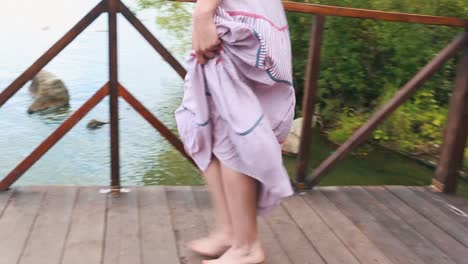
[364, 63]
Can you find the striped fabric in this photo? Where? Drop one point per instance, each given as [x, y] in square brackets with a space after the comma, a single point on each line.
[272, 55]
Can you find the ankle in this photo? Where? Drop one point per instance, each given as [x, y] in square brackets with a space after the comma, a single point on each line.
[247, 245]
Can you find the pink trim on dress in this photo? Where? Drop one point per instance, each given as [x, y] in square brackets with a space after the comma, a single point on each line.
[243, 13]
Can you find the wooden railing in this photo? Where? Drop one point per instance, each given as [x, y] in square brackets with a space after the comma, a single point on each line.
[456, 128]
[112, 88]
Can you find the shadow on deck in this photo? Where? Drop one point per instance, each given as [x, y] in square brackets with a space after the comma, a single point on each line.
[391, 224]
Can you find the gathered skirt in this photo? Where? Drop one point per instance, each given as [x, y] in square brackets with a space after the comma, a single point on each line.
[240, 105]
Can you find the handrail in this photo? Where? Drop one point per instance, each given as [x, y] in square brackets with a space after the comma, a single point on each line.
[326, 10]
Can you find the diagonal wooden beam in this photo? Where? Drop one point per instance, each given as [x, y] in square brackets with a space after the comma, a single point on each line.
[47, 144]
[158, 125]
[403, 94]
[51, 53]
[152, 40]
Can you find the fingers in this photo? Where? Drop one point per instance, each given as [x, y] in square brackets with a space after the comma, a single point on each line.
[204, 55]
[200, 58]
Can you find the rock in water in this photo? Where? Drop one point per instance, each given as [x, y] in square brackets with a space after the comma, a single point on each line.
[50, 92]
[94, 124]
[292, 142]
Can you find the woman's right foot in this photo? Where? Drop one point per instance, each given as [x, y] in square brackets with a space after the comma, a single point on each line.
[212, 246]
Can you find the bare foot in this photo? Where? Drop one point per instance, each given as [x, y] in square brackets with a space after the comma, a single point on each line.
[213, 245]
[244, 255]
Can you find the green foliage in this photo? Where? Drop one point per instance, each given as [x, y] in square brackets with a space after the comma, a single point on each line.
[174, 17]
[364, 62]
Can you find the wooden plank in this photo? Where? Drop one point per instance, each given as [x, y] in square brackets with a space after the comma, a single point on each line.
[432, 213]
[51, 227]
[290, 237]
[381, 115]
[453, 199]
[4, 199]
[416, 242]
[51, 140]
[321, 236]
[122, 242]
[158, 242]
[392, 247]
[85, 240]
[187, 221]
[455, 132]
[359, 244]
[27, 75]
[275, 254]
[369, 14]
[447, 203]
[310, 95]
[438, 237]
[204, 204]
[17, 220]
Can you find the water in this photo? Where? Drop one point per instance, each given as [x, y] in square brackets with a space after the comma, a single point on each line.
[82, 157]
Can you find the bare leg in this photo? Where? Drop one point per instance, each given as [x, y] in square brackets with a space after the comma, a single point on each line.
[220, 238]
[241, 194]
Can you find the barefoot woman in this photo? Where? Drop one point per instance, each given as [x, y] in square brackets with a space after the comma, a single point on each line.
[237, 109]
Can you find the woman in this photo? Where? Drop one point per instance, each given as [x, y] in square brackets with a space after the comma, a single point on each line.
[237, 109]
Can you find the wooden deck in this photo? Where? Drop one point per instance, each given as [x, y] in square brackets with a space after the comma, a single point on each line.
[392, 224]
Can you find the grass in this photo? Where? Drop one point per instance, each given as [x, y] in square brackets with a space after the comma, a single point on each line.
[368, 165]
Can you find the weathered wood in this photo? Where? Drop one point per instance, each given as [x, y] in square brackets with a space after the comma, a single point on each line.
[122, 242]
[321, 236]
[374, 14]
[113, 6]
[404, 93]
[392, 247]
[452, 199]
[4, 199]
[415, 241]
[432, 213]
[275, 254]
[456, 131]
[310, 96]
[167, 56]
[50, 230]
[449, 208]
[291, 239]
[158, 243]
[359, 244]
[47, 144]
[438, 237]
[187, 222]
[51, 53]
[326, 10]
[148, 225]
[158, 125]
[84, 243]
[17, 221]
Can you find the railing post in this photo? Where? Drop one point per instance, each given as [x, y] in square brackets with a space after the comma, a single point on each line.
[456, 131]
[310, 97]
[113, 7]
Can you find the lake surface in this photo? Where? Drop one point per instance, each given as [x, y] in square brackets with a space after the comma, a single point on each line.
[82, 157]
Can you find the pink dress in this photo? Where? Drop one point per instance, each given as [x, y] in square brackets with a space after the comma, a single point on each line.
[240, 105]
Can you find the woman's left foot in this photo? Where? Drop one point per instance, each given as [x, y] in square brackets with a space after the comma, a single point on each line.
[252, 255]
[212, 246]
